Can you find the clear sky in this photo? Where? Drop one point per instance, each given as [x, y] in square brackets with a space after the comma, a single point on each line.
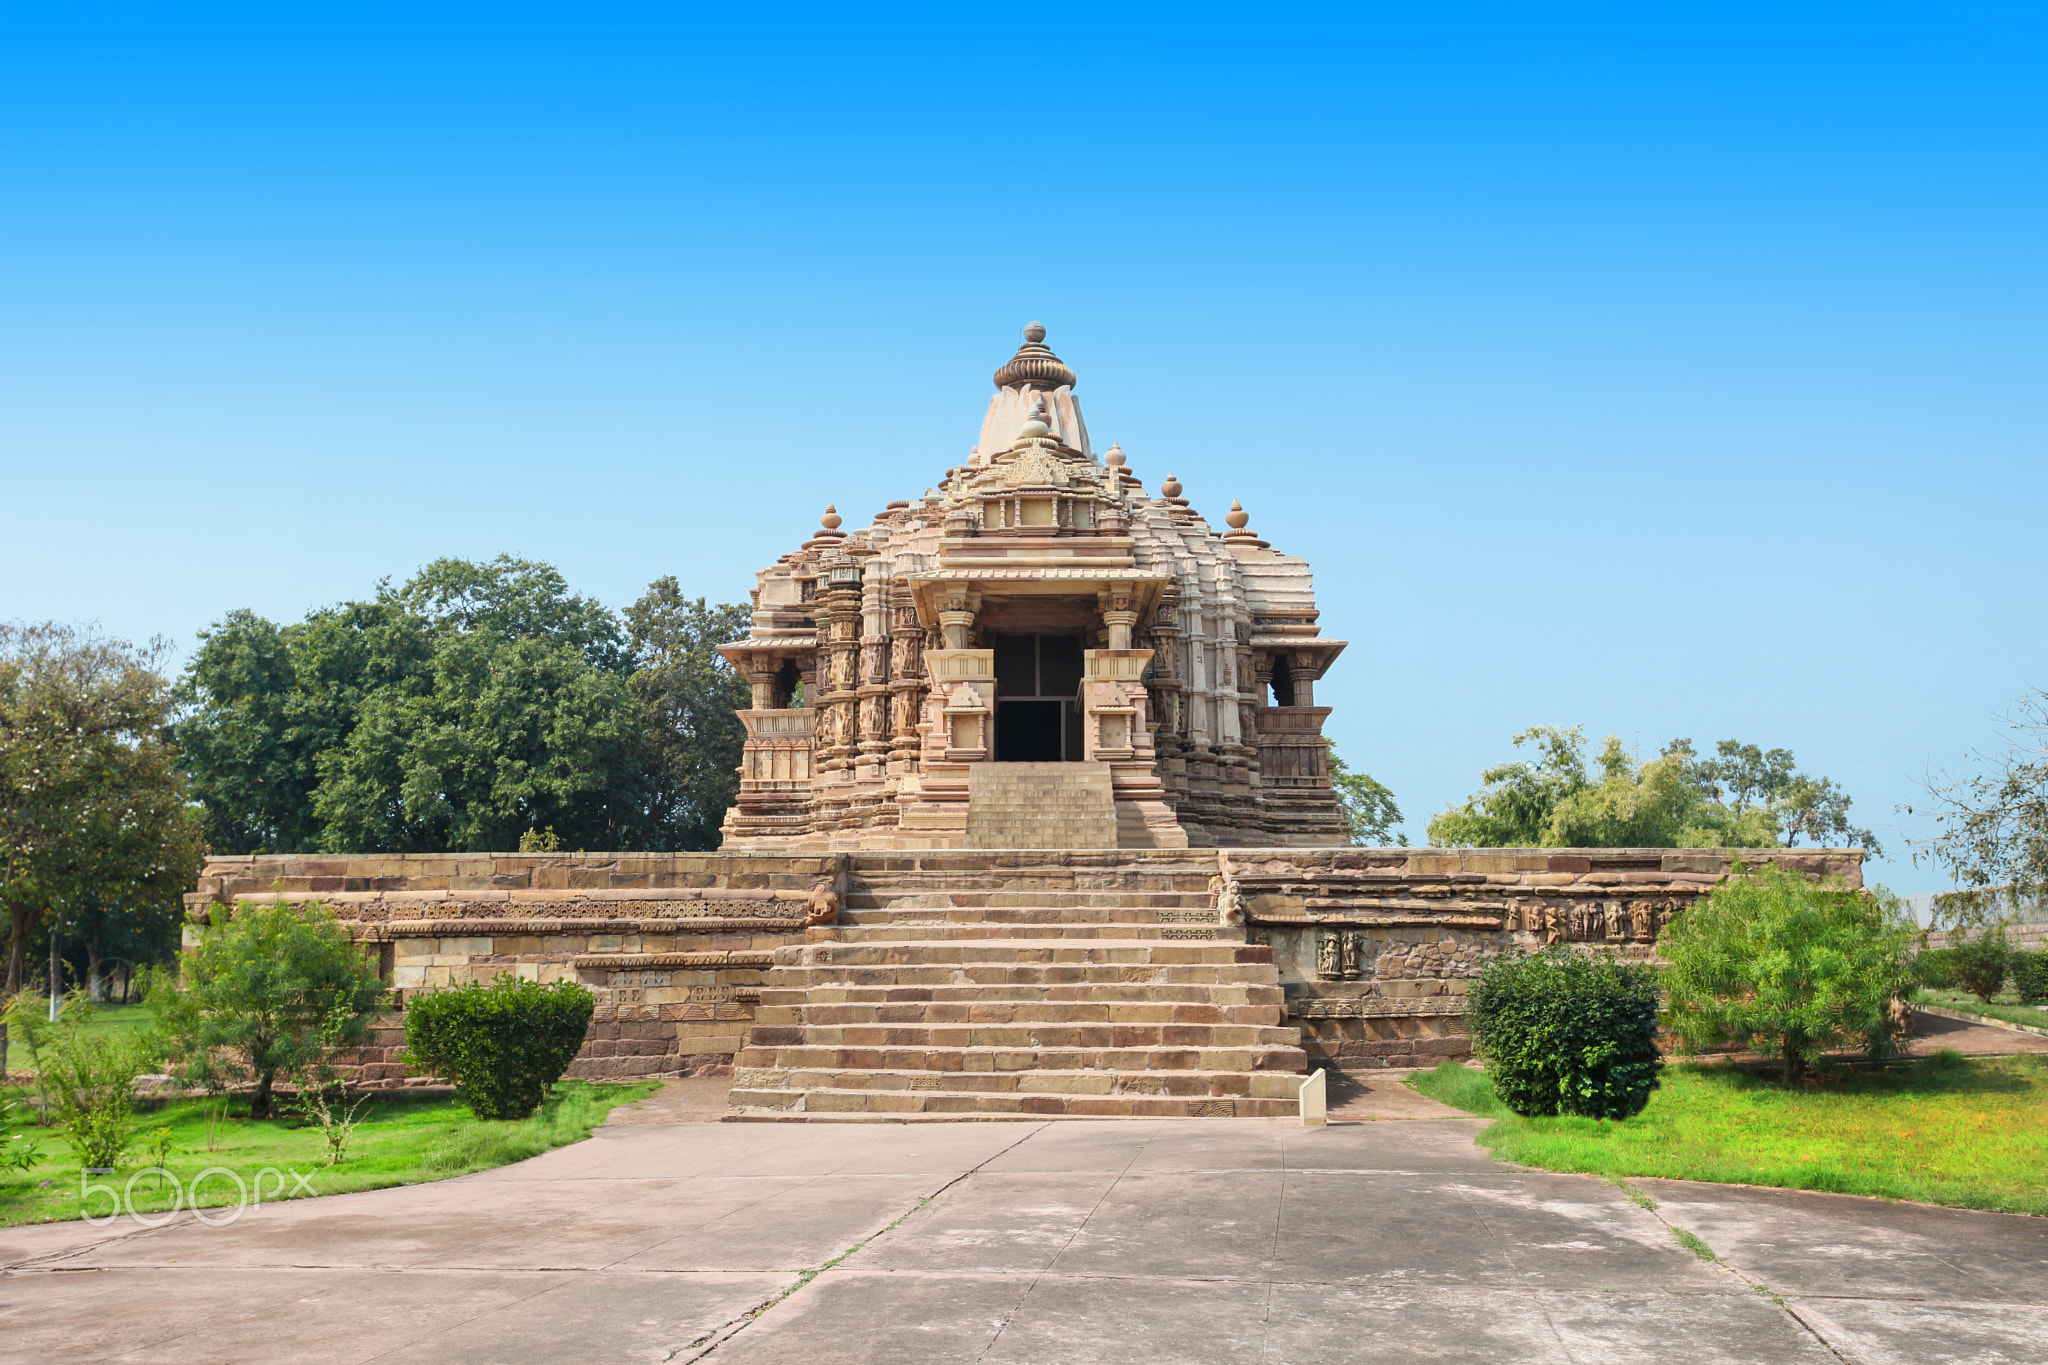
[1665, 369]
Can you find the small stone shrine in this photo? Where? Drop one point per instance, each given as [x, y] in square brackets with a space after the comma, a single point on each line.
[1035, 654]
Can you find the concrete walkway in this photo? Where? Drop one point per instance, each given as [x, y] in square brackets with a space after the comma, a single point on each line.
[1171, 1241]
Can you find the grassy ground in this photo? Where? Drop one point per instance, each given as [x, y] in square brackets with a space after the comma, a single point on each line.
[1969, 1133]
[2005, 1006]
[404, 1140]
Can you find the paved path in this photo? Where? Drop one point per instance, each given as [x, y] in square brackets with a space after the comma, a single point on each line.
[1175, 1241]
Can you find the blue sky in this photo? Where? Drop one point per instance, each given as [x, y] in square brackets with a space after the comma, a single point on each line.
[1669, 370]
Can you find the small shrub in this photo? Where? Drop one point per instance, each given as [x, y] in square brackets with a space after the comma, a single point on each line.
[2028, 974]
[502, 1045]
[1567, 1033]
[90, 1080]
[1979, 964]
[1935, 968]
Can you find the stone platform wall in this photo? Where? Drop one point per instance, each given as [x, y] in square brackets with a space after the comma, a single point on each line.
[674, 945]
[1375, 948]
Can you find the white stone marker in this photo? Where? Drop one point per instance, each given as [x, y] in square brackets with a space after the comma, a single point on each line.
[1315, 1100]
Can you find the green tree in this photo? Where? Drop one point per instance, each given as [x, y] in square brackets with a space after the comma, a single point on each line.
[455, 712]
[688, 696]
[1993, 826]
[262, 994]
[1742, 798]
[1787, 965]
[93, 806]
[1368, 805]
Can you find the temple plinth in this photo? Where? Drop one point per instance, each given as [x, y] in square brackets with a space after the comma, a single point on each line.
[1035, 607]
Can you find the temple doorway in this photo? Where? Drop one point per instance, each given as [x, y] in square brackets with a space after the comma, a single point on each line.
[1038, 698]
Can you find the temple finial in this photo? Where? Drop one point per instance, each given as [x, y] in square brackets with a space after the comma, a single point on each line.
[1034, 366]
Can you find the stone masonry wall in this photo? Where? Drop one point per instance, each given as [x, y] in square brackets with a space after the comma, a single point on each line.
[675, 946]
[1377, 947]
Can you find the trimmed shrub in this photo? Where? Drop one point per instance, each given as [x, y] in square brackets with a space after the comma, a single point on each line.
[1564, 1032]
[501, 1045]
[2028, 974]
[1935, 968]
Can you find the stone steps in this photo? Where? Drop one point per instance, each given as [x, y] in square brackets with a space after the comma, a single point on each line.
[980, 1013]
[835, 955]
[1087, 1006]
[827, 1103]
[926, 933]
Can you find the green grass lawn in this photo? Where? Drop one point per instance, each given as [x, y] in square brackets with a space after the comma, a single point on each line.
[404, 1140]
[2004, 1006]
[1969, 1133]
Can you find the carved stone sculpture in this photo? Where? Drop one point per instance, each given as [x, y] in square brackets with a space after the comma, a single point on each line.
[1329, 953]
[823, 905]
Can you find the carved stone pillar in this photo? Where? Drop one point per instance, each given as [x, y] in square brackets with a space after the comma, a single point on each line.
[874, 677]
[906, 675]
[841, 700]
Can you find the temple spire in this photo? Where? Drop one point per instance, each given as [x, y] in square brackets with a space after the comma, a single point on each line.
[1033, 375]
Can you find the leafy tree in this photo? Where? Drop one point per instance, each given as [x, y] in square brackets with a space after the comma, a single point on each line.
[455, 712]
[515, 599]
[512, 735]
[1742, 798]
[1567, 1032]
[263, 994]
[1978, 962]
[1788, 966]
[1993, 837]
[1369, 806]
[93, 807]
[688, 695]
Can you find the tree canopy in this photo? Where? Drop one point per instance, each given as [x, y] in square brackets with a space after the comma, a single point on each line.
[1993, 821]
[462, 710]
[1368, 804]
[1742, 797]
[95, 827]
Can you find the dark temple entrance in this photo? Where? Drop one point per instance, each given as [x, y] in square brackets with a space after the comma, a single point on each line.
[1038, 689]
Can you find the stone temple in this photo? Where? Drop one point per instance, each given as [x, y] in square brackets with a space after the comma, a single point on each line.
[1035, 819]
[1035, 654]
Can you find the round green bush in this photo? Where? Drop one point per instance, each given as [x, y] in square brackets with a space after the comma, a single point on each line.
[501, 1045]
[1935, 968]
[1565, 1032]
[2027, 973]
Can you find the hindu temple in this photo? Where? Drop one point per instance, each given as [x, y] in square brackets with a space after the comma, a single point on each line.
[1035, 653]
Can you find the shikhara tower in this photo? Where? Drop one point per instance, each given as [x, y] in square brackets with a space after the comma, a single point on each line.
[1035, 654]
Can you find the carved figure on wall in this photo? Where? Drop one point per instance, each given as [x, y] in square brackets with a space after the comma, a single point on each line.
[1553, 924]
[1230, 901]
[823, 905]
[1665, 911]
[1351, 950]
[1642, 921]
[1328, 954]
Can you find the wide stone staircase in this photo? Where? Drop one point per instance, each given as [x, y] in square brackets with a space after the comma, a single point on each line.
[1040, 805]
[1023, 984]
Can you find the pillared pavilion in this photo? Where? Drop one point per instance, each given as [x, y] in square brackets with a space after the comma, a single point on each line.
[1035, 654]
